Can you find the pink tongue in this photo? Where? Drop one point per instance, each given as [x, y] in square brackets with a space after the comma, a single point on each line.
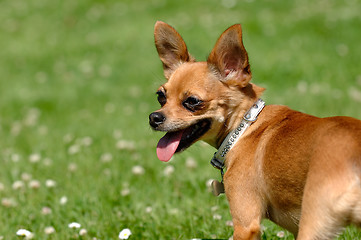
[168, 144]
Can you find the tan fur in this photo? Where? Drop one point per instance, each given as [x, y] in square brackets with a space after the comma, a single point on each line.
[300, 171]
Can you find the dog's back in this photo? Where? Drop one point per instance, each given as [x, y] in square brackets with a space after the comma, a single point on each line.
[318, 161]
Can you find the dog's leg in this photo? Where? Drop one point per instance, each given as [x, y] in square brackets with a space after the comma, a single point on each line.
[246, 218]
[246, 209]
[329, 204]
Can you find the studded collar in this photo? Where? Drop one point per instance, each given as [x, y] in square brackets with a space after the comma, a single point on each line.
[231, 139]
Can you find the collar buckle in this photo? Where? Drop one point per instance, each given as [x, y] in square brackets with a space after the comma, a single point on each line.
[216, 163]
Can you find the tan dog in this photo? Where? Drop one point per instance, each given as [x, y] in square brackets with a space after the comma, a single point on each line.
[300, 171]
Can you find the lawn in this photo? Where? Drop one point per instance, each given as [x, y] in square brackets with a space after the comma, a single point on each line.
[78, 81]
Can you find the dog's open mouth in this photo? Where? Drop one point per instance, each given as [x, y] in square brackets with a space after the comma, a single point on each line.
[174, 142]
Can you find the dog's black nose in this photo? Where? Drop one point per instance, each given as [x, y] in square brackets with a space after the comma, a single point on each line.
[156, 119]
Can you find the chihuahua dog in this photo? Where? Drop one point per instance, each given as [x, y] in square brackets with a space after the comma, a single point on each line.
[300, 171]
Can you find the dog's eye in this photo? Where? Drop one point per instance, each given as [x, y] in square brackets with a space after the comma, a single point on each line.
[162, 99]
[192, 103]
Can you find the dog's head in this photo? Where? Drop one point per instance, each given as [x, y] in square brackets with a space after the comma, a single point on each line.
[200, 100]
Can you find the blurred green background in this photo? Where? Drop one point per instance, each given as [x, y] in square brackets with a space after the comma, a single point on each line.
[77, 83]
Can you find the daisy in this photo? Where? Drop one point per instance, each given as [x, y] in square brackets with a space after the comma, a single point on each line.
[63, 200]
[125, 145]
[125, 192]
[50, 183]
[148, 209]
[18, 185]
[125, 233]
[281, 234]
[15, 157]
[83, 232]
[49, 230]
[8, 202]
[26, 177]
[106, 157]
[229, 223]
[86, 141]
[25, 233]
[74, 225]
[46, 211]
[73, 149]
[217, 217]
[47, 161]
[138, 170]
[34, 184]
[191, 163]
[168, 170]
[72, 167]
[34, 158]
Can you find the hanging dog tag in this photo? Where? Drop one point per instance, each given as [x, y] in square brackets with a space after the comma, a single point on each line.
[217, 188]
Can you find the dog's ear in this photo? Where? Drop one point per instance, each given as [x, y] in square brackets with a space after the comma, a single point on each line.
[230, 58]
[171, 47]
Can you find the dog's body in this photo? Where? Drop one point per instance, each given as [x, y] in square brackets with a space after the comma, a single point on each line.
[300, 171]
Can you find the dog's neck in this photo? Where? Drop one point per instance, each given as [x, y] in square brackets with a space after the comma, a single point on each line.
[250, 94]
[230, 140]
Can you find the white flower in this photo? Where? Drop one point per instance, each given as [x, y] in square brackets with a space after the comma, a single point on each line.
[217, 217]
[229, 223]
[281, 234]
[138, 170]
[148, 209]
[125, 192]
[191, 163]
[106, 157]
[68, 138]
[50, 183]
[63, 200]
[26, 177]
[125, 145]
[72, 167]
[86, 141]
[125, 233]
[74, 225]
[47, 161]
[46, 210]
[34, 158]
[34, 184]
[174, 211]
[49, 230]
[25, 233]
[214, 208]
[18, 185]
[8, 202]
[15, 157]
[83, 232]
[73, 149]
[168, 170]
[117, 134]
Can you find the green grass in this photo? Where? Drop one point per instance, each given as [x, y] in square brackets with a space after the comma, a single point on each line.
[77, 82]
